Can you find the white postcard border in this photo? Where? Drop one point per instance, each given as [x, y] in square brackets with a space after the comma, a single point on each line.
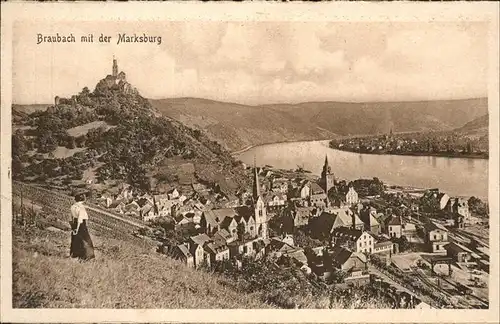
[85, 11]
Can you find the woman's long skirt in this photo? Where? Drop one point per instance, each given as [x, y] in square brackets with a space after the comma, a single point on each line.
[81, 243]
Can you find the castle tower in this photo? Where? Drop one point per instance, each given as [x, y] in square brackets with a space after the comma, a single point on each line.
[327, 180]
[115, 67]
[259, 206]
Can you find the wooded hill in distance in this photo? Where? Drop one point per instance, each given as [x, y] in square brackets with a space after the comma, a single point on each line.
[238, 126]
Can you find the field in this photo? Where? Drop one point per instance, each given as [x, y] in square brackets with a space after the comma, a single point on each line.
[62, 152]
[84, 129]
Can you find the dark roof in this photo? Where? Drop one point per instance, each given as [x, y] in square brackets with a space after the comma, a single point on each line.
[184, 250]
[278, 245]
[340, 255]
[244, 211]
[259, 245]
[394, 220]
[226, 222]
[222, 235]
[316, 189]
[217, 216]
[435, 226]
[456, 247]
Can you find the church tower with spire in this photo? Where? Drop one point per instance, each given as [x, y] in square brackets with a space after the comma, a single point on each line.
[259, 206]
[327, 180]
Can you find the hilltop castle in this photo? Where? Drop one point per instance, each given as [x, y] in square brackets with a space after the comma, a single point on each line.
[118, 79]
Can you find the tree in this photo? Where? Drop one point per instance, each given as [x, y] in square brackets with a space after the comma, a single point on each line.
[71, 143]
[478, 207]
[403, 243]
[17, 167]
[240, 229]
[19, 146]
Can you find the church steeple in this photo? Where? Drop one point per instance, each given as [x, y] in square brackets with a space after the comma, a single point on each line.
[256, 185]
[259, 206]
[327, 180]
[326, 168]
[115, 67]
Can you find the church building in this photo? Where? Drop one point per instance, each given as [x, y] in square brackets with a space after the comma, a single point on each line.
[327, 180]
[252, 218]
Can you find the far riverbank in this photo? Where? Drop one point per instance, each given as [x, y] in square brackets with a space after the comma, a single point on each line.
[483, 156]
[248, 148]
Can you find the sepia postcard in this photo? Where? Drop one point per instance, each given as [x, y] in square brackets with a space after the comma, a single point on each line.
[251, 162]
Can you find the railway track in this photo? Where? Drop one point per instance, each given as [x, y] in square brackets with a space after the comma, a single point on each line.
[480, 300]
[471, 236]
[461, 303]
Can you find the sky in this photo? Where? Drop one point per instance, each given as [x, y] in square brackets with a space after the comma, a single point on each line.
[260, 62]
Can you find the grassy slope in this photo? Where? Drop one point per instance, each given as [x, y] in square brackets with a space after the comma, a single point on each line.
[238, 126]
[124, 275]
[127, 275]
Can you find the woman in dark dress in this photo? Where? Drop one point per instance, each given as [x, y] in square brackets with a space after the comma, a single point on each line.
[81, 243]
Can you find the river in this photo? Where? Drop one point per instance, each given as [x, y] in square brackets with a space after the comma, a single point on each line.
[455, 176]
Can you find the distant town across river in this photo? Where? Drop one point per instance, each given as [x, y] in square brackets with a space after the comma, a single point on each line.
[455, 176]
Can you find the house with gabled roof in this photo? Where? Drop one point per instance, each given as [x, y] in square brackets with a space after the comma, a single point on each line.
[132, 209]
[344, 259]
[395, 226]
[211, 219]
[228, 218]
[369, 217]
[333, 218]
[148, 213]
[180, 252]
[351, 196]
[277, 247]
[173, 194]
[196, 247]
[297, 217]
[243, 247]
[384, 247]
[118, 206]
[458, 252]
[461, 207]
[230, 224]
[436, 237]
[223, 236]
[304, 190]
[276, 200]
[354, 239]
[318, 196]
[217, 251]
[443, 200]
